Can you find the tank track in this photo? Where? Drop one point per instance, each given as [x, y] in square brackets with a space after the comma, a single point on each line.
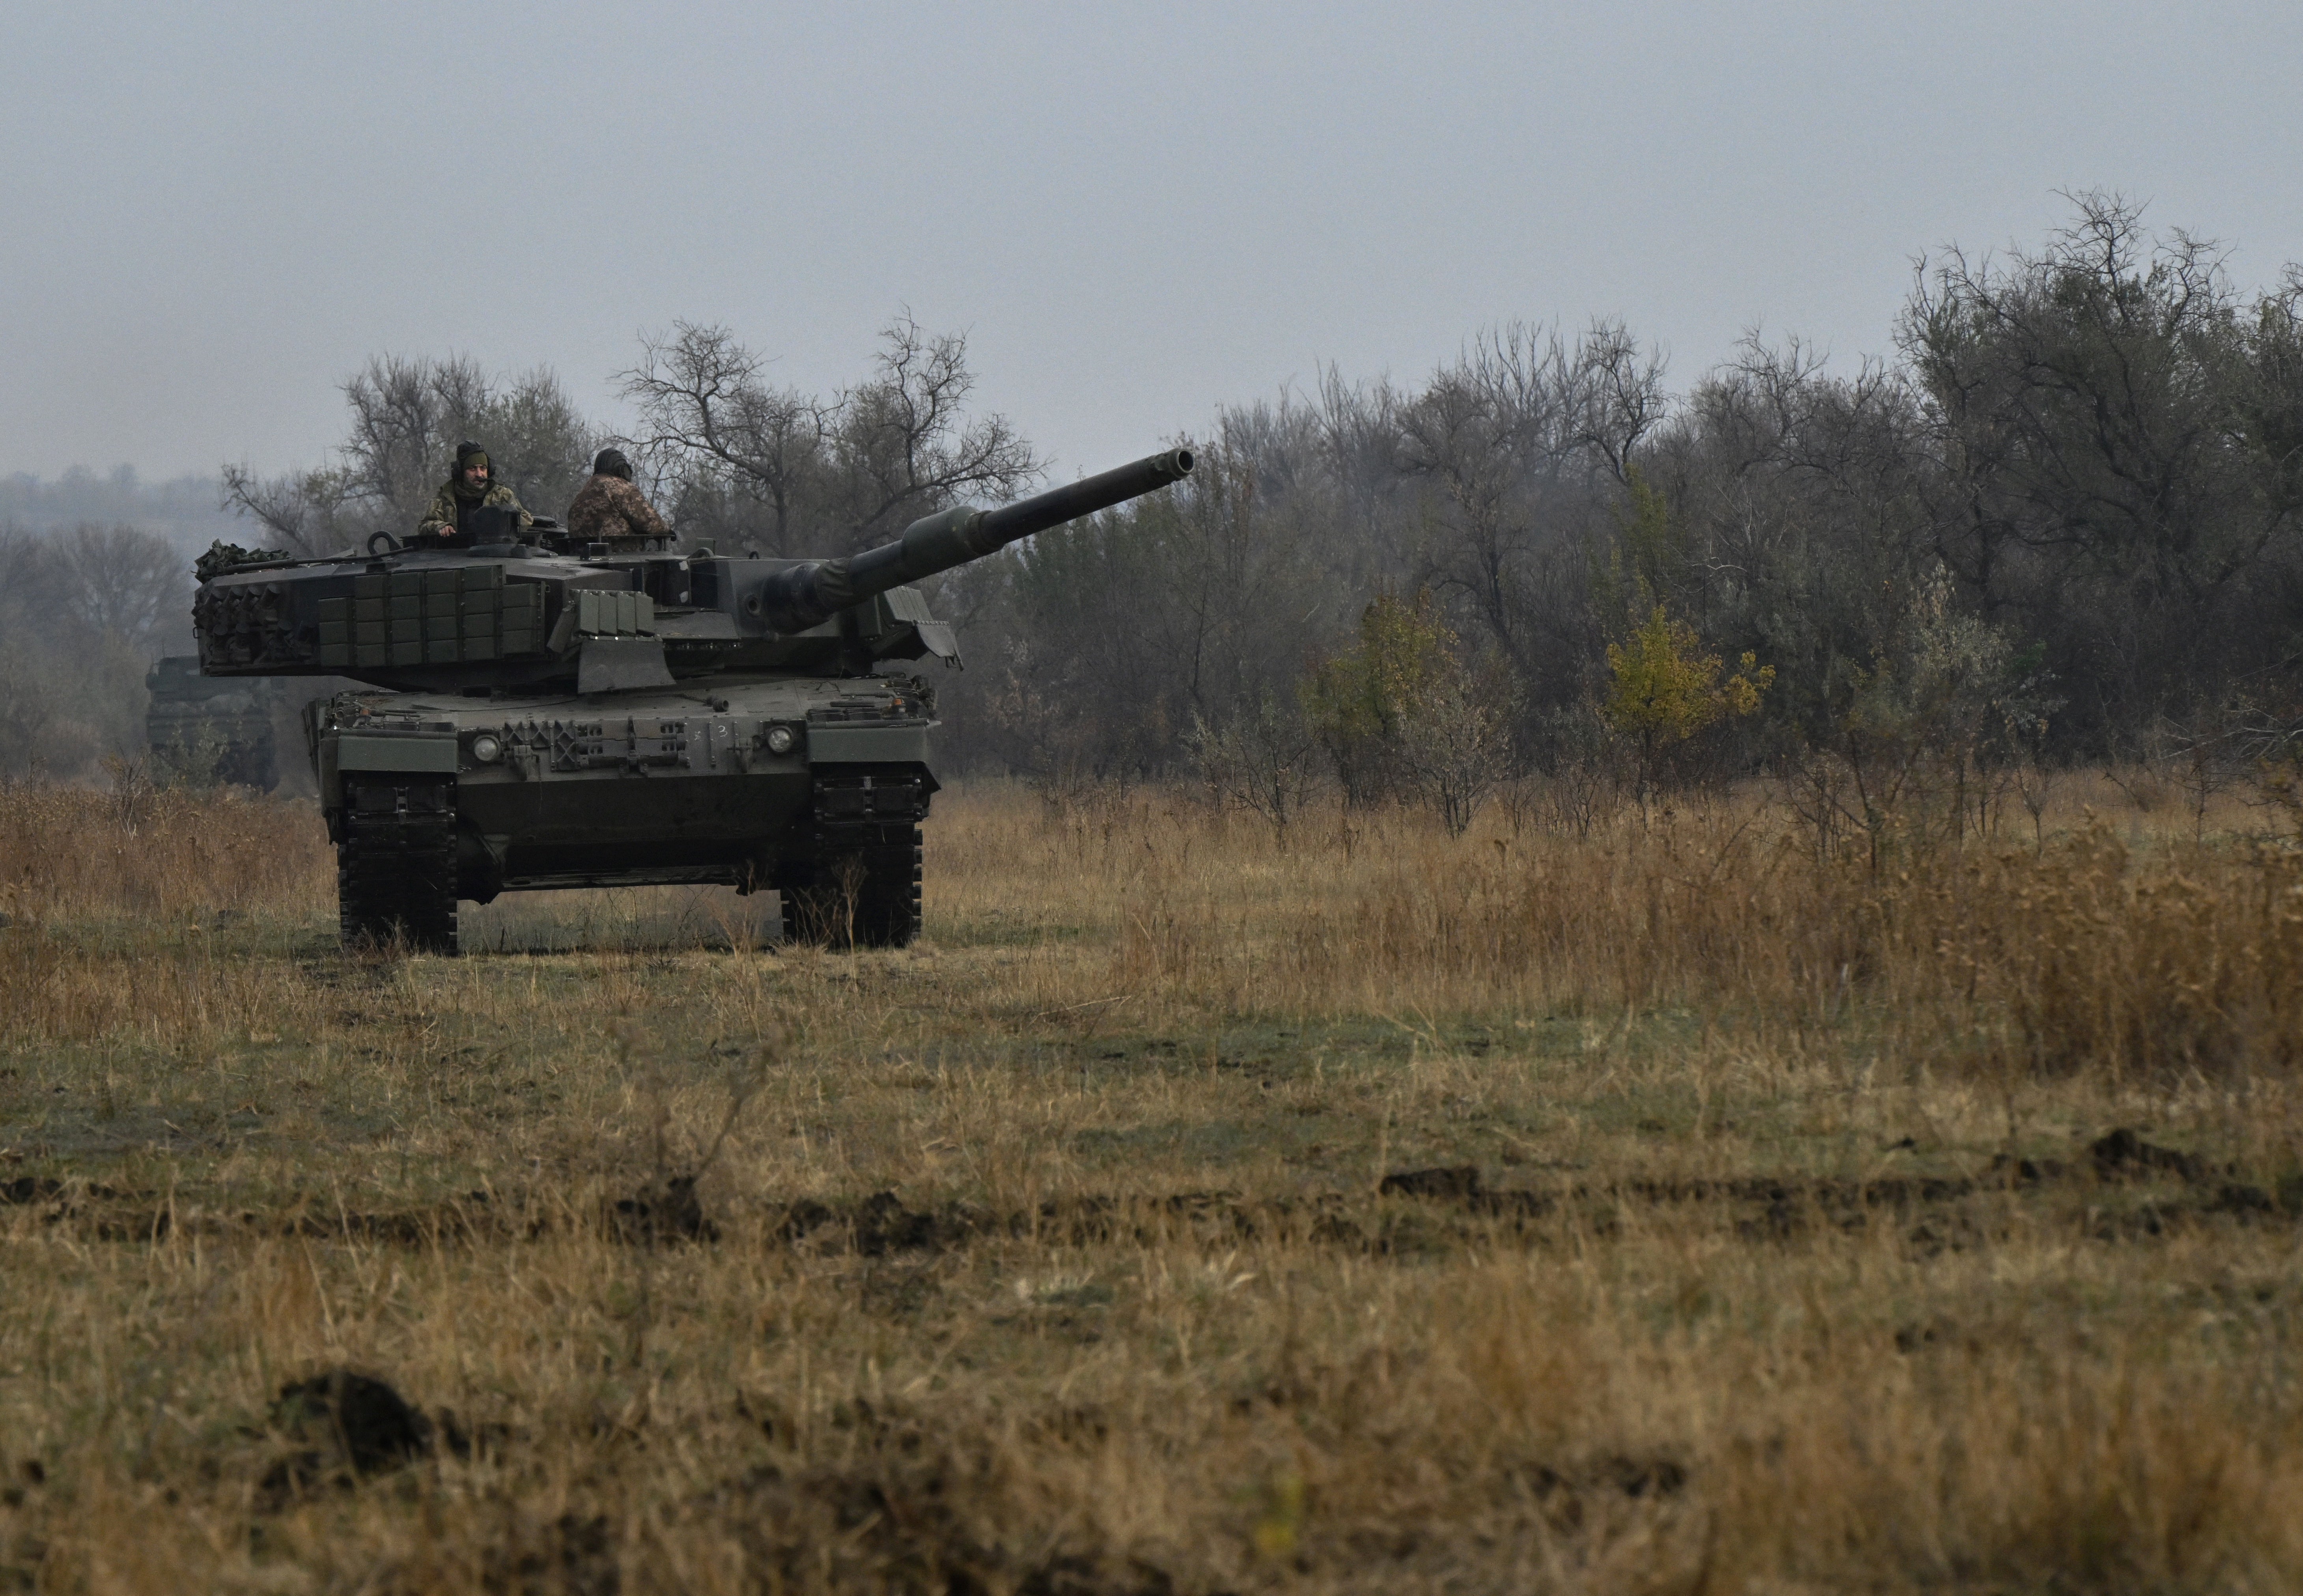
[858, 884]
[396, 861]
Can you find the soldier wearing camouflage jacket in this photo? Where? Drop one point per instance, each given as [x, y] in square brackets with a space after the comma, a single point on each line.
[467, 489]
[609, 509]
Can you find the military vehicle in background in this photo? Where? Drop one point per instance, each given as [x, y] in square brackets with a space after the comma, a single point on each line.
[241, 730]
[540, 715]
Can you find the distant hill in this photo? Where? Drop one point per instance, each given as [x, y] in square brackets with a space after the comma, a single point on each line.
[183, 509]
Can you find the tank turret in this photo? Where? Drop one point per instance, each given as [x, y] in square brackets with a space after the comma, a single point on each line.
[547, 716]
[522, 615]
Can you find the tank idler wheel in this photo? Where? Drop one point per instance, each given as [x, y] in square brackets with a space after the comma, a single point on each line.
[396, 861]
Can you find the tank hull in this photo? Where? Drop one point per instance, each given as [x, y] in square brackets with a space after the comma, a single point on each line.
[814, 787]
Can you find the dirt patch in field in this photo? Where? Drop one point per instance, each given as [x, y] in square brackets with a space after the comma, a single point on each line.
[1933, 1209]
[1410, 1209]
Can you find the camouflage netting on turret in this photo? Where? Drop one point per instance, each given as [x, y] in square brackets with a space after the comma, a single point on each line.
[224, 557]
[248, 624]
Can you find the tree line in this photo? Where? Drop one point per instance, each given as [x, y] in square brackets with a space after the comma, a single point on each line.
[2063, 523]
[84, 611]
[2058, 522]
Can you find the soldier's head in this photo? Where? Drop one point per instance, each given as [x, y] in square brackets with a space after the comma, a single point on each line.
[471, 463]
[611, 462]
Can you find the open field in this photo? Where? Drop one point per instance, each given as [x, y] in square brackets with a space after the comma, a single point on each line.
[1659, 1210]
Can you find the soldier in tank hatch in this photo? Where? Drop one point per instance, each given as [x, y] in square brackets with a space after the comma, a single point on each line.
[469, 488]
[609, 509]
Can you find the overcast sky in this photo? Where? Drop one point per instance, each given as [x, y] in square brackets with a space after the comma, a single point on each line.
[210, 215]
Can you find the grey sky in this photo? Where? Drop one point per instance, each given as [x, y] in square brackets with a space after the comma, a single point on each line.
[210, 215]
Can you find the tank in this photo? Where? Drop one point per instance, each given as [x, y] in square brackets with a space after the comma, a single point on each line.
[537, 715]
[240, 730]
[202, 729]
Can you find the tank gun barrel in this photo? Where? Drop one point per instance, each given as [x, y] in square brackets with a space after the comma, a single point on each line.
[811, 593]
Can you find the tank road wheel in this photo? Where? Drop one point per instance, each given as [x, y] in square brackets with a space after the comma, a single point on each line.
[396, 861]
[859, 886]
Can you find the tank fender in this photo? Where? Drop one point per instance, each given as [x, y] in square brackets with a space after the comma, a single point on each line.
[867, 744]
[432, 755]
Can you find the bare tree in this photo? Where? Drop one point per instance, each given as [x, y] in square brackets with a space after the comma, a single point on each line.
[302, 510]
[407, 415]
[117, 582]
[1614, 392]
[905, 443]
[32, 579]
[1517, 449]
[2125, 427]
[801, 474]
[404, 411]
[82, 611]
[710, 422]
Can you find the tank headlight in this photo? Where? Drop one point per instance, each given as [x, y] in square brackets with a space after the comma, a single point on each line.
[487, 748]
[780, 739]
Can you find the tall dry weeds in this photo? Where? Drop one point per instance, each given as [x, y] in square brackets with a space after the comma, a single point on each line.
[1763, 1234]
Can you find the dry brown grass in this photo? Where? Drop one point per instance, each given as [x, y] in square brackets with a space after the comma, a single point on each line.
[1770, 1254]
